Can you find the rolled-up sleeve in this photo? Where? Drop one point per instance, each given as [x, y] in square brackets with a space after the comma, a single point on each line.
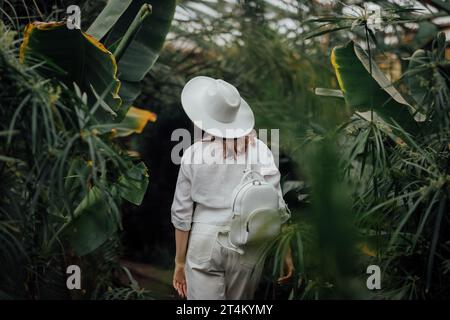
[182, 205]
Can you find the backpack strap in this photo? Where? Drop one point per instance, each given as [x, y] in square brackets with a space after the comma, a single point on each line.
[249, 172]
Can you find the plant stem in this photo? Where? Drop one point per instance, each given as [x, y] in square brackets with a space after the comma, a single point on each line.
[57, 233]
[370, 69]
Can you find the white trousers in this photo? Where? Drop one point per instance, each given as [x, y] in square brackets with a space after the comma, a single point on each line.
[214, 272]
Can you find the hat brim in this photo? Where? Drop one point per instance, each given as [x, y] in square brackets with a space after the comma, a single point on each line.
[195, 108]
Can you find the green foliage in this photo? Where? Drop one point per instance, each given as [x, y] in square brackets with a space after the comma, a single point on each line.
[427, 78]
[371, 182]
[43, 192]
[139, 50]
[402, 186]
[132, 292]
[366, 88]
[131, 185]
[72, 56]
[91, 225]
[66, 176]
[367, 176]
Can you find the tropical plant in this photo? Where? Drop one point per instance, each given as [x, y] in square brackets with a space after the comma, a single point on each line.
[399, 154]
[365, 172]
[276, 77]
[64, 176]
[375, 138]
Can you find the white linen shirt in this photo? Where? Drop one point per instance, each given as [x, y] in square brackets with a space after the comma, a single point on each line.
[206, 182]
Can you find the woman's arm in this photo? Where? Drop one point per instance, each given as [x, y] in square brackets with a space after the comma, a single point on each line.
[181, 240]
[288, 268]
[179, 278]
[181, 211]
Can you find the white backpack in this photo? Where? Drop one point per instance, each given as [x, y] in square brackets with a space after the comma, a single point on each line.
[257, 215]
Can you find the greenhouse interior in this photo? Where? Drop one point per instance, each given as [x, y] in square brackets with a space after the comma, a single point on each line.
[102, 103]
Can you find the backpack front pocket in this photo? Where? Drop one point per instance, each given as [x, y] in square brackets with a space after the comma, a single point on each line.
[262, 225]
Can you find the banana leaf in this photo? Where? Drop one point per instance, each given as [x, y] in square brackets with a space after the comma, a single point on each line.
[107, 18]
[365, 87]
[92, 225]
[143, 50]
[73, 56]
[132, 185]
[93, 222]
[134, 122]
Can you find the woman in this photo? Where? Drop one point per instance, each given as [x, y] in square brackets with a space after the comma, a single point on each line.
[206, 267]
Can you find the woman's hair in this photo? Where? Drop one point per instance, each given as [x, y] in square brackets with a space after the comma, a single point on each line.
[234, 146]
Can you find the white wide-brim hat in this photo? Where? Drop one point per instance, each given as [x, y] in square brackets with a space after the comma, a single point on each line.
[216, 107]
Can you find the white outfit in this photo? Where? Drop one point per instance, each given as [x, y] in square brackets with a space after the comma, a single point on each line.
[202, 204]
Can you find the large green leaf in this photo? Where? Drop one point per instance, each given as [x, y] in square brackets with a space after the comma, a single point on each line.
[93, 222]
[92, 225]
[365, 87]
[142, 52]
[107, 18]
[73, 56]
[133, 184]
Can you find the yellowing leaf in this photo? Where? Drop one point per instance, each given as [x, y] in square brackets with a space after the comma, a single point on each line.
[142, 117]
[366, 250]
[135, 121]
[29, 28]
[72, 56]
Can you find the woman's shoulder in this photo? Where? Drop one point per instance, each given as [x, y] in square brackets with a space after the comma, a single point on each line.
[264, 154]
[261, 144]
[190, 152]
[195, 151]
[262, 147]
